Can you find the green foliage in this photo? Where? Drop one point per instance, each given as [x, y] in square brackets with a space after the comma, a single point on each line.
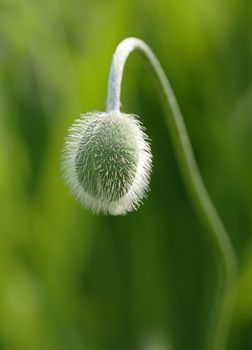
[70, 280]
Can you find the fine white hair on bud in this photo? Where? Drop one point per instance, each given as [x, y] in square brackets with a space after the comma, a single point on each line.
[107, 162]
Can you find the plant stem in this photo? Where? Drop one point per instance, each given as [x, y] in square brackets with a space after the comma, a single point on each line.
[224, 253]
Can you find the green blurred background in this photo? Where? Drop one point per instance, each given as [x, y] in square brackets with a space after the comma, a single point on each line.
[71, 280]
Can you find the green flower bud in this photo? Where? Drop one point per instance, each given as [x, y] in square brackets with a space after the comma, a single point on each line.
[107, 162]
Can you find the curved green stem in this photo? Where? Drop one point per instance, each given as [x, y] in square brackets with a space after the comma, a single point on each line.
[223, 249]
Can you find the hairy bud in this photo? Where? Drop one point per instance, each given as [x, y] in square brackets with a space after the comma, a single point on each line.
[107, 162]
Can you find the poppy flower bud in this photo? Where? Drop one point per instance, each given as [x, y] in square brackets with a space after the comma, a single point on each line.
[107, 162]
